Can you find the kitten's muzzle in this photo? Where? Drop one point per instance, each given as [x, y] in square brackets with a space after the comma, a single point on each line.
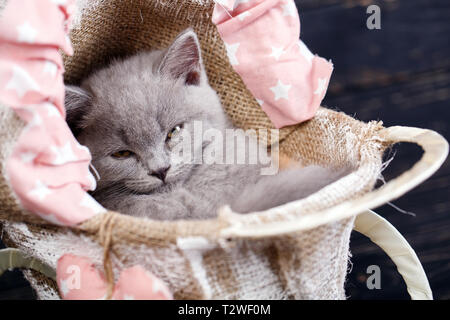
[160, 173]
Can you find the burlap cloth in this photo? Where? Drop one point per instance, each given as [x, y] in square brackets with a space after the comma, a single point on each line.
[191, 256]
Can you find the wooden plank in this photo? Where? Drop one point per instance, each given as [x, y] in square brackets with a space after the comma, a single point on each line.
[421, 101]
[413, 38]
[13, 286]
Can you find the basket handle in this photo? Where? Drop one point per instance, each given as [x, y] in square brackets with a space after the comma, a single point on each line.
[387, 237]
[11, 258]
[435, 149]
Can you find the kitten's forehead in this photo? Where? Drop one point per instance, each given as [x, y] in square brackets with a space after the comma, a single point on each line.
[147, 134]
[135, 101]
[133, 82]
[137, 106]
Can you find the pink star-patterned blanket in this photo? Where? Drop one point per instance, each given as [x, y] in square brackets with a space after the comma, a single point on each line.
[262, 40]
[48, 169]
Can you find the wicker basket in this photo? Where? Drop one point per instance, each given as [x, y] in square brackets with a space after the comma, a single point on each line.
[295, 251]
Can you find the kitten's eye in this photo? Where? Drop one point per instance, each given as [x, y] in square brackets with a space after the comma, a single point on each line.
[174, 131]
[122, 154]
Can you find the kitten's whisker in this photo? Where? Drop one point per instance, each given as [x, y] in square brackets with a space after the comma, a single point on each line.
[139, 182]
[97, 175]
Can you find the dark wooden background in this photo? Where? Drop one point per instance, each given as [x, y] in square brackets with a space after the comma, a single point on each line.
[401, 75]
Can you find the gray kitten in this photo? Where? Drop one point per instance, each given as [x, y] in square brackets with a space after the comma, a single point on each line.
[132, 114]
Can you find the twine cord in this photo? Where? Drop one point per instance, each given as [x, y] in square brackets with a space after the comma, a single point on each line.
[105, 237]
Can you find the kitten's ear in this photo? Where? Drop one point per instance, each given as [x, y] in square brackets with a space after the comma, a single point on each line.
[77, 103]
[183, 59]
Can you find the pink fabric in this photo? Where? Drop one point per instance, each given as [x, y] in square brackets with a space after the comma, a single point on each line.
[78, 279]
[262, 39]
[48, 169]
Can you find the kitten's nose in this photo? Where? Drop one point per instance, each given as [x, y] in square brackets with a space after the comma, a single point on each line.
[160, 173]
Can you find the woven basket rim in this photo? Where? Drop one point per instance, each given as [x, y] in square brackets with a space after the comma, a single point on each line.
[213, 228]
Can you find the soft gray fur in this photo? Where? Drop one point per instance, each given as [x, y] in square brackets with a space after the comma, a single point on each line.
[133, 104]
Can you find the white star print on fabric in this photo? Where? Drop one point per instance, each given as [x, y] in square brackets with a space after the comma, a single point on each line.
[50, 67]
[244, 15]
[83, 148]
[277, 52]
[35, 121]
[63, 154]
[26, 33]
[40, 191]
[260, 102]
[92, 181]
[63, 287]
[90, 203]
[238, 2]
[157, 286]
[289, 9]
[21, 82]
[321, 83]
[305, 51]
[231, 52]
[52, 111]
[281, 90]
[68, 42]
[51, 218]
[28, 157]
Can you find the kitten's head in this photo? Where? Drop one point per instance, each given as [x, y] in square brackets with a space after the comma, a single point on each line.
[132, 114]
